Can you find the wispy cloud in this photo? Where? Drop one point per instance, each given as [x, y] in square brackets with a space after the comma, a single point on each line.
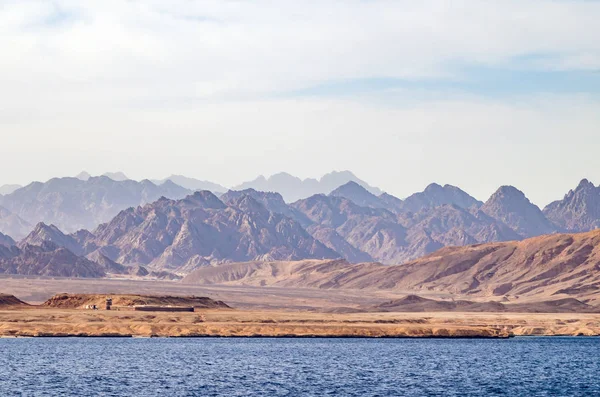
[433, 86]
[227, 47]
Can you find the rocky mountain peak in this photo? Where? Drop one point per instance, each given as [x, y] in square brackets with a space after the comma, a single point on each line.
[205, 199]
[435, 195]
[359, 195]
[351, 187]
[434, 188]
[43, 233]
[584, 185]
[42, 229]
[579, 210]
[508, 193]
[510, 206]
[273, 198]
[248, 204]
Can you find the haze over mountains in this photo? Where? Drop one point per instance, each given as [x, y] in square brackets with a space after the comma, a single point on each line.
[72, 204]
[8, 189]
[293, 188]
[168, 227]
[86, 201]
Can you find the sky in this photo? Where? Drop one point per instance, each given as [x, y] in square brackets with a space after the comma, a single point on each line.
[477, 93]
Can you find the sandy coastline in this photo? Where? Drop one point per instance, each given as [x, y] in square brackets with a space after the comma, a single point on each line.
[38, 322]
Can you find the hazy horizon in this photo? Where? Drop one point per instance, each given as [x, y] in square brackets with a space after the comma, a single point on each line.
[225, 91]
[483, 199]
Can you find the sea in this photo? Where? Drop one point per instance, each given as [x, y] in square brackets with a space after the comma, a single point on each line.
[527, 366]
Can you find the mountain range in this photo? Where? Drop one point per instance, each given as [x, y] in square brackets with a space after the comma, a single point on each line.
[193, 184]
[168, 227]
[72, 203]
[86, 201]
[293, 188]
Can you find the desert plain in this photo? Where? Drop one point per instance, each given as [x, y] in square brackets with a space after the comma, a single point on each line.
[267, 312]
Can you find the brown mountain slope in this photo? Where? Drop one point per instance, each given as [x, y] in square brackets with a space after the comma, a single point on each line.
[414, 303]
[308, 274]
[552, 266]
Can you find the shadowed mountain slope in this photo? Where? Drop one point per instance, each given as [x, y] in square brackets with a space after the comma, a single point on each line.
[12, 224]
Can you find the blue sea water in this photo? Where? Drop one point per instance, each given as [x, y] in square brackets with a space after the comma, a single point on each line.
[299, 367]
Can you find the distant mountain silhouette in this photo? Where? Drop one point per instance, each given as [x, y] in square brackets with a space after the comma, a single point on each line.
[72, 204]
[116, 176]
[293, 188]
[12, 224]
[83, 175]
[193, 184]
[8, 189]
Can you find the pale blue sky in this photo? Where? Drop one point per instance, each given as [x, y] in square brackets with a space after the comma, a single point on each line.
[474, 93]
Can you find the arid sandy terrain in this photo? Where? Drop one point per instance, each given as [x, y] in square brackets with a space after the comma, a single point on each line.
[264, 311]
[73, 322]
